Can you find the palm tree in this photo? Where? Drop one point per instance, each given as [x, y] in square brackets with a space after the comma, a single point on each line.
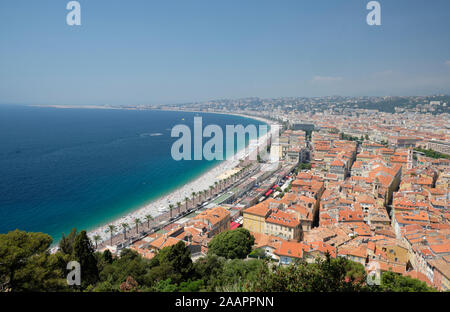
[215, 186]
[96, 239]
[125, 226]
[170, 210]
[179, 207]
[210, 190]
[111, 230]
[137, 221]
[186, 199]
[148, 218]
[193, 198]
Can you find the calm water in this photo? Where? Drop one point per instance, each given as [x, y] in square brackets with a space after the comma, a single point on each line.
[65, 168]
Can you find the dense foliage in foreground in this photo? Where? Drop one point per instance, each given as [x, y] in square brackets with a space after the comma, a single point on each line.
[27, 265]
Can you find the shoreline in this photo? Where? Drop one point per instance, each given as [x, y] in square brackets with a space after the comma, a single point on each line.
[202, 182]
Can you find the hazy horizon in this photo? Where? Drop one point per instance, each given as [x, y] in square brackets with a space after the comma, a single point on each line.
[142, 52]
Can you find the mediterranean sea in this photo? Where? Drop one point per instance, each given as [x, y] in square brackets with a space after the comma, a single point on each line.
[66, 168]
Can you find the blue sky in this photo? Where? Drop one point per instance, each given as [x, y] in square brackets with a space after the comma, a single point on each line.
[150, 52]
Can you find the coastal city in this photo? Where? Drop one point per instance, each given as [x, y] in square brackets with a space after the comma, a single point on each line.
[366, 185]
[224, 155]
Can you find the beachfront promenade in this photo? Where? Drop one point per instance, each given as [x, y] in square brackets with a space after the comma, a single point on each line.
[123, 239]
[208, 186]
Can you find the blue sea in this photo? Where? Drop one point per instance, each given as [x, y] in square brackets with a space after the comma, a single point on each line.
[66, 168]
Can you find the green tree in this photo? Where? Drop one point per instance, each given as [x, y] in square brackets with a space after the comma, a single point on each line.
[148, 218]
[107, 256]
[137, 221]
[162, 271]
[355, 270]
[392, 282]
[258, 253]
[210, 269]
[432, 154]
[325, 275]
[26, 264]
[239, 275]
[232, 244]
[116, 271]
[191, 286]
[111, 229]
[125, 226]
[165, 286]
[106, 286]
[177, 259]
[204, 193]
[193, 199]
[83, 252]
[66, 243]
[97, 238]
[303, 166]
[186, 200]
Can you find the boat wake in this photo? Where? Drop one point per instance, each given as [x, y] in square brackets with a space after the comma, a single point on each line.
[144, 135]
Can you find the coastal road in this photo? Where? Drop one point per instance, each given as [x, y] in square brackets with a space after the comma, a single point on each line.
[118, 239]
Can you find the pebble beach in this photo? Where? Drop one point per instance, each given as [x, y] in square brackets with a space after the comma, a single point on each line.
[201, 183]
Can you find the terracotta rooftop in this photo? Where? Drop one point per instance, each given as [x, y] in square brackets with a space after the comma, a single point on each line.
[283, 218]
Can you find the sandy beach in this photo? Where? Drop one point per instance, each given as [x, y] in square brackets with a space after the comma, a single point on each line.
[201, 183]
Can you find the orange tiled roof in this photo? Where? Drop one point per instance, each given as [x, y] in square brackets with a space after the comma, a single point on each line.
[283, 218]
[441, 248]
[213, 215]
[164, 241]
[290, 249]
[261, 209]
[359, 251]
